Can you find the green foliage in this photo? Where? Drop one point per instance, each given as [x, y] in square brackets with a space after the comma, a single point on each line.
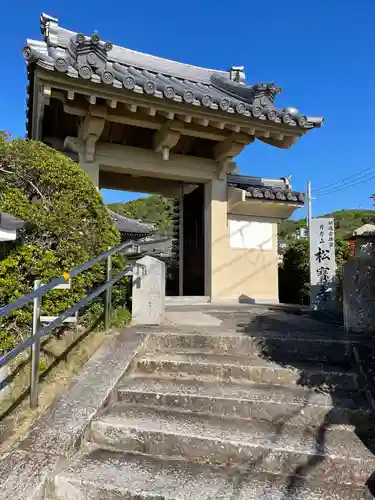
[155, 209]
[294, 273]
[346, 221]
[120, 317]
[42, 365]
[66, 224]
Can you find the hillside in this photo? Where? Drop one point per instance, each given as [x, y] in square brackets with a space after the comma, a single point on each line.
[155, 209]
[346, 221]
[158, 209]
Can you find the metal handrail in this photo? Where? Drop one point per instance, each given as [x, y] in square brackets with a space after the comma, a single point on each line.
[28, 297]
[35, 296]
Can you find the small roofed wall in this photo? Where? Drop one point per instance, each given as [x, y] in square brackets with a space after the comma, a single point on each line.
[8, 234]
[237, 272]
[9, 226]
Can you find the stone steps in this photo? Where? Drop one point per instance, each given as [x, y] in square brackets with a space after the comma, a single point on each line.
[244, 368]
[115, 476]
[295, 405]
[337, 456]
[269, 344]
[264, 411]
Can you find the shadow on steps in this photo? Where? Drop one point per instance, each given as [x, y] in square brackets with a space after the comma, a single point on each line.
[343, 356]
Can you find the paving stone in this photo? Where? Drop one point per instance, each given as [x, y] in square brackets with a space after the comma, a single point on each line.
[24, 475]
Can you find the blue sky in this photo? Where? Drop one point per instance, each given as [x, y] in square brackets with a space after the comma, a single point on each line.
[320, 53]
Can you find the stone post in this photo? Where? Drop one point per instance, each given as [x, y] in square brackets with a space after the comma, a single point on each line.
[148, 292]
[359, 295]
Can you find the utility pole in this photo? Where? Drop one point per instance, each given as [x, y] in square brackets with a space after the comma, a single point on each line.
[309, 215]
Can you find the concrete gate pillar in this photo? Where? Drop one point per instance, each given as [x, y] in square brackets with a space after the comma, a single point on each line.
[91, 169]
[216, 234]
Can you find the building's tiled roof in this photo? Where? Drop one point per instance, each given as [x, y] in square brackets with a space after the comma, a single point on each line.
[266, 189]
[130, 226]
[10, 223]
[89, 58]
[161, 246]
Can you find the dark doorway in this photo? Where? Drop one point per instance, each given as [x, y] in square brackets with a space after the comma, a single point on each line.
[193, 238]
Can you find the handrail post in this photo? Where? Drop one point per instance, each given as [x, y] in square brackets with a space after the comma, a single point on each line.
[35, 350]
[108, 295]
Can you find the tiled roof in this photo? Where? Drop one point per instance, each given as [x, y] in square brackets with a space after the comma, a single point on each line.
[10, 223]
[266, 189]
[90, 58]
[161, 246]
[130, 226]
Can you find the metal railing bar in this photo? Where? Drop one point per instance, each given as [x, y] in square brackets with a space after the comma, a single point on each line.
[25, 299]
[58, 321]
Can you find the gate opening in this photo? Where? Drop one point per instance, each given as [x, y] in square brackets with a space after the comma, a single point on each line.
[182, 246]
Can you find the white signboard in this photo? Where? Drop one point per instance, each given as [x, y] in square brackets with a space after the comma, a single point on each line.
[322, 263]
[250, 234]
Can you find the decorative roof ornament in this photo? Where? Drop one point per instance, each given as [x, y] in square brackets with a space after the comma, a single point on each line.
[237, 74]
[89, 55]
[288, 181]
[48, 27]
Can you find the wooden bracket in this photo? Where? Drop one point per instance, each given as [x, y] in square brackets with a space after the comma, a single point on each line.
[166, 138]
[89, 132]
[231, 147]
[225, 151]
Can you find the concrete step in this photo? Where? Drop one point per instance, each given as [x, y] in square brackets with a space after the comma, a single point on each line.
[113, 476]
[187, 300]
[275, 346]
[245, 368]
[294, 406]
[334, 456]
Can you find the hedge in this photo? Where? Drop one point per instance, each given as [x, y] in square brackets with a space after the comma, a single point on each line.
[294, 272]
[67, 224]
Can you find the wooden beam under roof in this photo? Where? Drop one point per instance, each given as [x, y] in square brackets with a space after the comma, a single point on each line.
[158, 105]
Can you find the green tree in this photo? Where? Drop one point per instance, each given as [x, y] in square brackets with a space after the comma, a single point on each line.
[346, 221]
[66, 224]
[155, 209]
[294, 272]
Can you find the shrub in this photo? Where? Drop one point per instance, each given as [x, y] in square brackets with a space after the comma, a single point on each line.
[294, 278]
[66, 224]
[294, 273]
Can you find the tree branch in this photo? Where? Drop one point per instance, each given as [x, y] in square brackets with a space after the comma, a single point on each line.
[27, 180]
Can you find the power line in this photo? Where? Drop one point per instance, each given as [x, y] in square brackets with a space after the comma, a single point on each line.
[350, 178]
[346, 186]
[347, 180]
[353, 182]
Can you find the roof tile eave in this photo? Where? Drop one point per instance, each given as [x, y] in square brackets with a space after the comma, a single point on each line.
[9, 222]
[129, 226]
[270, 190]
